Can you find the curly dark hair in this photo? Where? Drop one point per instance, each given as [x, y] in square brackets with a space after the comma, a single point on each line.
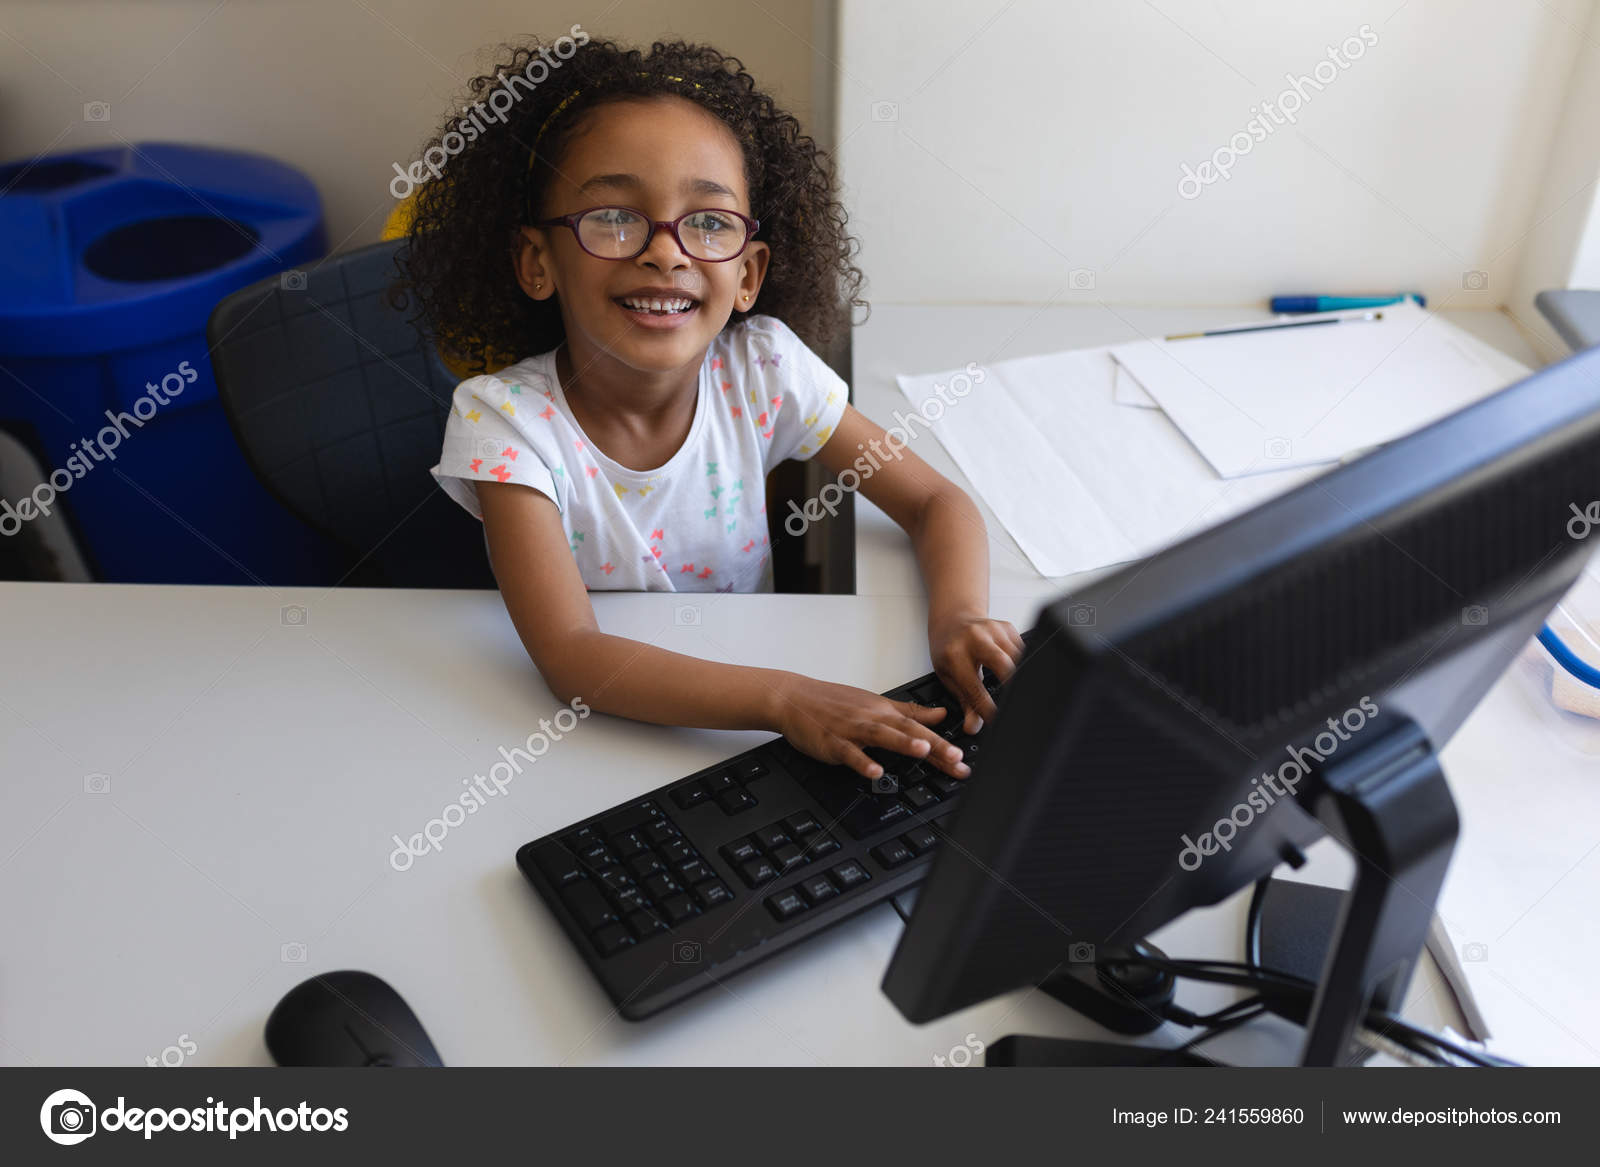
[464, 229]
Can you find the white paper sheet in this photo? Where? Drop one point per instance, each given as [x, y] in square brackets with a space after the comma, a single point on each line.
[1079, 481]
[1264, 401]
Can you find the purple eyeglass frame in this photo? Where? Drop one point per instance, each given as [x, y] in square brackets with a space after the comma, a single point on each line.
[571, 221]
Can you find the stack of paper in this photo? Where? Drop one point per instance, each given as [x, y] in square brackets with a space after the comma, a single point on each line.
[1100, 456]
[1263, 400]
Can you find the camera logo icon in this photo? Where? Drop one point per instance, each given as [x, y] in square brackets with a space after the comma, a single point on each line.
[293, 616]
[886, 784]
[1475, 281]
[292, 953]
[97, 111]
[1278, 449]
[1081, 279]
[686, 616]
[97, 784]
[67, 1117]
[1475, 615]
[1081, 953]
[885, 111]
[686, 952]
[1081, 615]
[1475, 952]
[292, 281]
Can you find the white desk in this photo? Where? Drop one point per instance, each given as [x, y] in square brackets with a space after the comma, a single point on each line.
[257, 771]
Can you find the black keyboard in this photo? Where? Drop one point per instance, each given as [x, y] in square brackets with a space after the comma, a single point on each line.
[668, 894]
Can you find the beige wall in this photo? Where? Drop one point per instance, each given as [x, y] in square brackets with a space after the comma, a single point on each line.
[341, 89]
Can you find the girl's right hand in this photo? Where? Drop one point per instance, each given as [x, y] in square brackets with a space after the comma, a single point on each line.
[835, 723]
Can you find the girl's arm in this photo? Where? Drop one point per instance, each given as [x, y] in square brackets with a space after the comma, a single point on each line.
[549, 605]
[952, 548]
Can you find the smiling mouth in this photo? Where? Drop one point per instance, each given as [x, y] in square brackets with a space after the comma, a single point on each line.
[665, 306]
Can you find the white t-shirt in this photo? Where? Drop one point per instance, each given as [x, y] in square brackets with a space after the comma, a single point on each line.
[697, 523]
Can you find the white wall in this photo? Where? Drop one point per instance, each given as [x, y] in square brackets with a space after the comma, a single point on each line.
[1028, 140]
[341, 89]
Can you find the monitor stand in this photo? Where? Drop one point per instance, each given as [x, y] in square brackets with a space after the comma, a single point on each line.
[1390, 807]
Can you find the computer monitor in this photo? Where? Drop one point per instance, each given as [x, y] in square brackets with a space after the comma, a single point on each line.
[1178, 728]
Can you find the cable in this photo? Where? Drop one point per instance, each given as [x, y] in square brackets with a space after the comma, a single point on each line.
[1252, 923]
[1228, 972]
[1568, 659]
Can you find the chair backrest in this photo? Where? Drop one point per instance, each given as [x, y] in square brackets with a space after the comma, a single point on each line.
[339, 405]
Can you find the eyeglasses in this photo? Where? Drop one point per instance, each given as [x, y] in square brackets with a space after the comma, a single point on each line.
[712, 235]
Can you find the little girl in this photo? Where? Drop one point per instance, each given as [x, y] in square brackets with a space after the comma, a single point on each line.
[614, 236]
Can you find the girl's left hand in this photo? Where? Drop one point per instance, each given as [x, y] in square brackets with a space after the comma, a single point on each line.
[959, 646]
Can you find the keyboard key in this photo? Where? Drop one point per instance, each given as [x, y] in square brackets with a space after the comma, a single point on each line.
[616, 880]
[821, 845]
[873, 815]
[660, 831]
[693, 872]
[921, 795]
[658, 887]
[818, 888]
[921, 839]
[771, 838]
[892, 854]
[559, 864]
[749, 769]
[740, 851]
[646, 924]
[802, 824]
[736, 800]
[787, 857]
[721, 782]
[630, 899]
[755, 872]
[786, 904]
[712, 892]
[691, 795]
[943, 783]
[677, 851]
[630, 843]
[621, 821]
[589, 906]
[597, 857]
[679, 908]
[849, 874]
[646, 865]
[613, 938]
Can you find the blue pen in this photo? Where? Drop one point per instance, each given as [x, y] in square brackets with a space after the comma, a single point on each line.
[1339, 303]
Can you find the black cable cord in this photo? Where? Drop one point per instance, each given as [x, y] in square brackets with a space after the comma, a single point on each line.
[1252, 923]
[1229, 972]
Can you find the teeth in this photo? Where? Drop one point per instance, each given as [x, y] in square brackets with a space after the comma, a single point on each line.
[662, 306]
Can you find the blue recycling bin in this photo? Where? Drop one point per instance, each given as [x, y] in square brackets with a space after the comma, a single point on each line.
[112, 261]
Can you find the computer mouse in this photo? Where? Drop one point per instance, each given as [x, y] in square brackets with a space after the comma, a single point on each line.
[347, 1019]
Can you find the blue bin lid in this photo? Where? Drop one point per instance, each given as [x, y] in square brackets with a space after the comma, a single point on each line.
[134, 245]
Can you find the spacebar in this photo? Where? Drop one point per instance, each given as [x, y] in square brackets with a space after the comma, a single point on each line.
[847, 800]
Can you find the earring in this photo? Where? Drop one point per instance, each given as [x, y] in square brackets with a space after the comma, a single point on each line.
[537, 285]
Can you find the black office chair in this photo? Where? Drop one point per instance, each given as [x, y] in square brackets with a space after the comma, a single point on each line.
[339, 406]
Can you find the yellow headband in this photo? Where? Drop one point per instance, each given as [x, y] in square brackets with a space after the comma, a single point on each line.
[568, 100]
